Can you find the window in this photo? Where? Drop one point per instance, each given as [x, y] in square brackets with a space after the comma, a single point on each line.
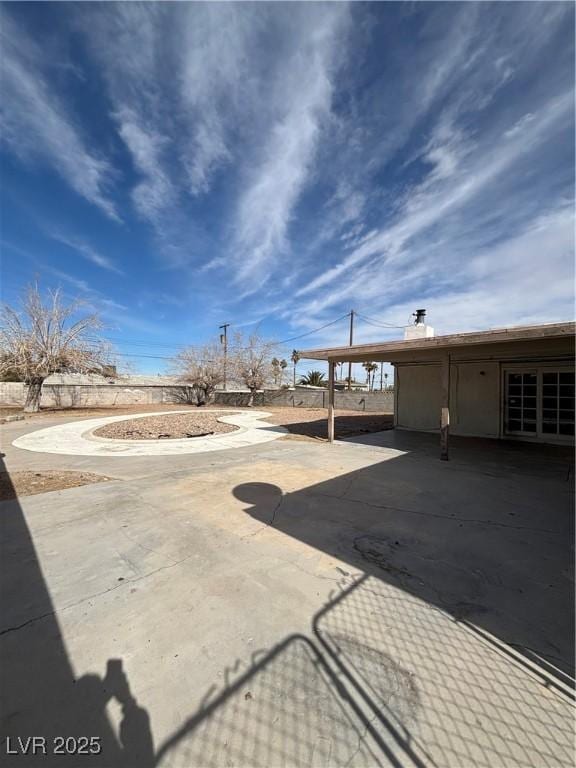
[521, 402]
[539, 403]
[558, 403]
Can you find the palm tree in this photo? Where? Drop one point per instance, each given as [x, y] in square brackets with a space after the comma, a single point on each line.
[275, 369]
[313, 379]
[370, 369]
[295, 357]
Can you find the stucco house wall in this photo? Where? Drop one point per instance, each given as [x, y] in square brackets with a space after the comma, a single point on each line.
[474, 398]
[417, 396]
[476, 385]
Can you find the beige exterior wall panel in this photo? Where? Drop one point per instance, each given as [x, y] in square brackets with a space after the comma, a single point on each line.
[418, 397]
[475, 399]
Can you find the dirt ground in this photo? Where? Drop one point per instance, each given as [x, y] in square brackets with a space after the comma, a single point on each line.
[302, 423]
[9, 410]
[18, 484]
[311, 423]
[88, 413]
[171, 426]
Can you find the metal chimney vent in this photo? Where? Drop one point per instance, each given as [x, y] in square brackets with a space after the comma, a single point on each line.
[420, 314]
[419, 330]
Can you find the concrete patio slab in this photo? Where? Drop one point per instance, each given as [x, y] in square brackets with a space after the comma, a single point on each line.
[294, 604]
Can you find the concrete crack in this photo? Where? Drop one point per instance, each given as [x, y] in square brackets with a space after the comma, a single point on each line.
[269, 524]
[125, 583]
[343, 497]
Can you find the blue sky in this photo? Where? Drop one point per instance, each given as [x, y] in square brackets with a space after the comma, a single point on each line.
[183, 165]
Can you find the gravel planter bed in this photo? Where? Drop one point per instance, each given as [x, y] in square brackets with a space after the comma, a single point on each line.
[173, 426]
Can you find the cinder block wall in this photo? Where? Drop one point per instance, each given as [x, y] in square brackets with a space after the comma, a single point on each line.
[110, 395]
[11, 393]
[93, 395]
[303, 398]
[239, 398]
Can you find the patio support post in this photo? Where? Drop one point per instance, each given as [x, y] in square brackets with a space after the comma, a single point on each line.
[445, 412]
[331, 367]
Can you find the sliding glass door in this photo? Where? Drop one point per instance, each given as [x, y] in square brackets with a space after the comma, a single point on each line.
[558, 403]
[539, 402]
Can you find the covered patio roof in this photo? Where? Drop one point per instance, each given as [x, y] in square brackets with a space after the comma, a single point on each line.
[388, 350]
[504, 343]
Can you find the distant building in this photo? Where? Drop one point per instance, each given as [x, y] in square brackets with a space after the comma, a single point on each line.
[356, 386]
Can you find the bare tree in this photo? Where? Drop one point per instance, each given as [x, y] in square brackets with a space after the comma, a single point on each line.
[40, 339]
[202, 368]
[250, 360]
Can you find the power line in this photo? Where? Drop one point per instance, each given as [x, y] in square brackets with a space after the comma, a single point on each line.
[294, 338]
[376, 323]
[133, 354]
[140, 342]
[144, 343]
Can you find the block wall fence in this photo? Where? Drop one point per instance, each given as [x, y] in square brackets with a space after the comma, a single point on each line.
[110, 395]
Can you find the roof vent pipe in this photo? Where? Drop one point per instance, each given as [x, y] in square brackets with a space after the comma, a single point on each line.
[419, 316]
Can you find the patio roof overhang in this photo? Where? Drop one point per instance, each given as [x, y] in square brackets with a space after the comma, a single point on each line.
[552, 340]
[390, 351]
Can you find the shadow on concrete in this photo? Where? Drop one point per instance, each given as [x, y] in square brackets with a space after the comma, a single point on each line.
[40, 693]
[289, 707]
[494, 547]
[380, 683]
[455, 617]
[347, 425]
[452, 645]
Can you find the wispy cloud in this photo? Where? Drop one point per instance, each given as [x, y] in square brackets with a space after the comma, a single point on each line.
[216, 84]
[80, 285]
[306, 87]
[37, 126]
[295, 160]
[142, 54]
[436, 198]
[248, 85]
[87, 251]
[153, 194]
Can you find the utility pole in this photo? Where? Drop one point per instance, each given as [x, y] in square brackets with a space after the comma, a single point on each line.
[224, 340]
[351, 342]
[381, 371]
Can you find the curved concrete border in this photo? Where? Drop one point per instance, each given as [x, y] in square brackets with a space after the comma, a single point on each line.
[76, 438]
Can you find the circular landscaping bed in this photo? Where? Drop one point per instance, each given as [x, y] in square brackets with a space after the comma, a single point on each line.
[170, 426]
